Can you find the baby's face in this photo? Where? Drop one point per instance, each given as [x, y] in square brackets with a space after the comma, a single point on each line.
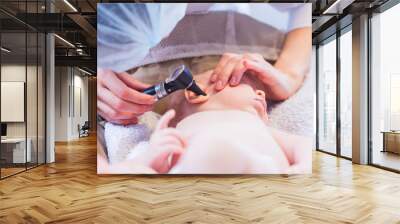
[242, 97]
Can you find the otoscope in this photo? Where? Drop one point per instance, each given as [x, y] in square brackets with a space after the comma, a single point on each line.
[181, 78]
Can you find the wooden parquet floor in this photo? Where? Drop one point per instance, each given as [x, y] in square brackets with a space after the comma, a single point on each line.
[70, 191]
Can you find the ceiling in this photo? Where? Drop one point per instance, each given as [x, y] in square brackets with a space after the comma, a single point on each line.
[76, 25]
[75, 22]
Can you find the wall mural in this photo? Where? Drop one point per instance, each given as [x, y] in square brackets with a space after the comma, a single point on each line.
[207, 88]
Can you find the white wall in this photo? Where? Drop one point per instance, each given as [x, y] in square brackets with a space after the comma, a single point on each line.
[33, 126]
[12, 73]
[80, 110]
[70, 84]
[61, 103]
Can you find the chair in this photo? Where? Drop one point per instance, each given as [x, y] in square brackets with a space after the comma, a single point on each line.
[84, 130]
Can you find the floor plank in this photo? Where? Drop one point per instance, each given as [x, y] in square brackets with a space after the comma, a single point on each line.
[70, 191]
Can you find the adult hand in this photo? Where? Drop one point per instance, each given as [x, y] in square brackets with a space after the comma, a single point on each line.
[232, 67]
[119, 97]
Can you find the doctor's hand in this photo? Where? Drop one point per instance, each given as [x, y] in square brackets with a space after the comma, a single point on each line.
[231, 68]
[119, 97]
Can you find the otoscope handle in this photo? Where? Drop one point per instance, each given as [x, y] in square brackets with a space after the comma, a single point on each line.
[150, 91]
[157, 90]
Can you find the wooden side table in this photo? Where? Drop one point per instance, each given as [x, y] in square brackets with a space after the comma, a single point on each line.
[391, 141]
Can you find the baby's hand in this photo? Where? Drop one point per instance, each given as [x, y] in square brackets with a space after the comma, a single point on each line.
[165, 143]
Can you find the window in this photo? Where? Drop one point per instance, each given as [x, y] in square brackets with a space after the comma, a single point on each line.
[385, 89]
[22, 86]
[346, 93]
[327, 96]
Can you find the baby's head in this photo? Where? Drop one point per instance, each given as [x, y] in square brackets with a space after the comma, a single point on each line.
[244, 97]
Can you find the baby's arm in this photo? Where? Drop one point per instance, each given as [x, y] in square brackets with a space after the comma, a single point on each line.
[298, 150]
[164, 148]
[125, 167]
[156, 156]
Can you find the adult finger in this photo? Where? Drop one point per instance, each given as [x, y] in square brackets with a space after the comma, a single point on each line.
[254, 56]
[165, 119]
[130, 81]
[259, 65]
[266, 73]
[253, 66]
[262, 72]
[220, 66]
[106, 110]
[120, 121]
[118, 87]
[237, 73]
[121, 105]
[114, 114]
[225, 74]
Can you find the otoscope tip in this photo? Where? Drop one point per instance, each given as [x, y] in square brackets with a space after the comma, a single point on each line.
[196, 89]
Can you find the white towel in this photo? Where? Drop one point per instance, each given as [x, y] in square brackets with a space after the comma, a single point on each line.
[120, 139]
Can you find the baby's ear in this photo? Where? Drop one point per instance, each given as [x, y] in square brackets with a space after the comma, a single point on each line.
[191, 97]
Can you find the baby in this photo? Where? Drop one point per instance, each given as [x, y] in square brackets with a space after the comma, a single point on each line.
[225, 132]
